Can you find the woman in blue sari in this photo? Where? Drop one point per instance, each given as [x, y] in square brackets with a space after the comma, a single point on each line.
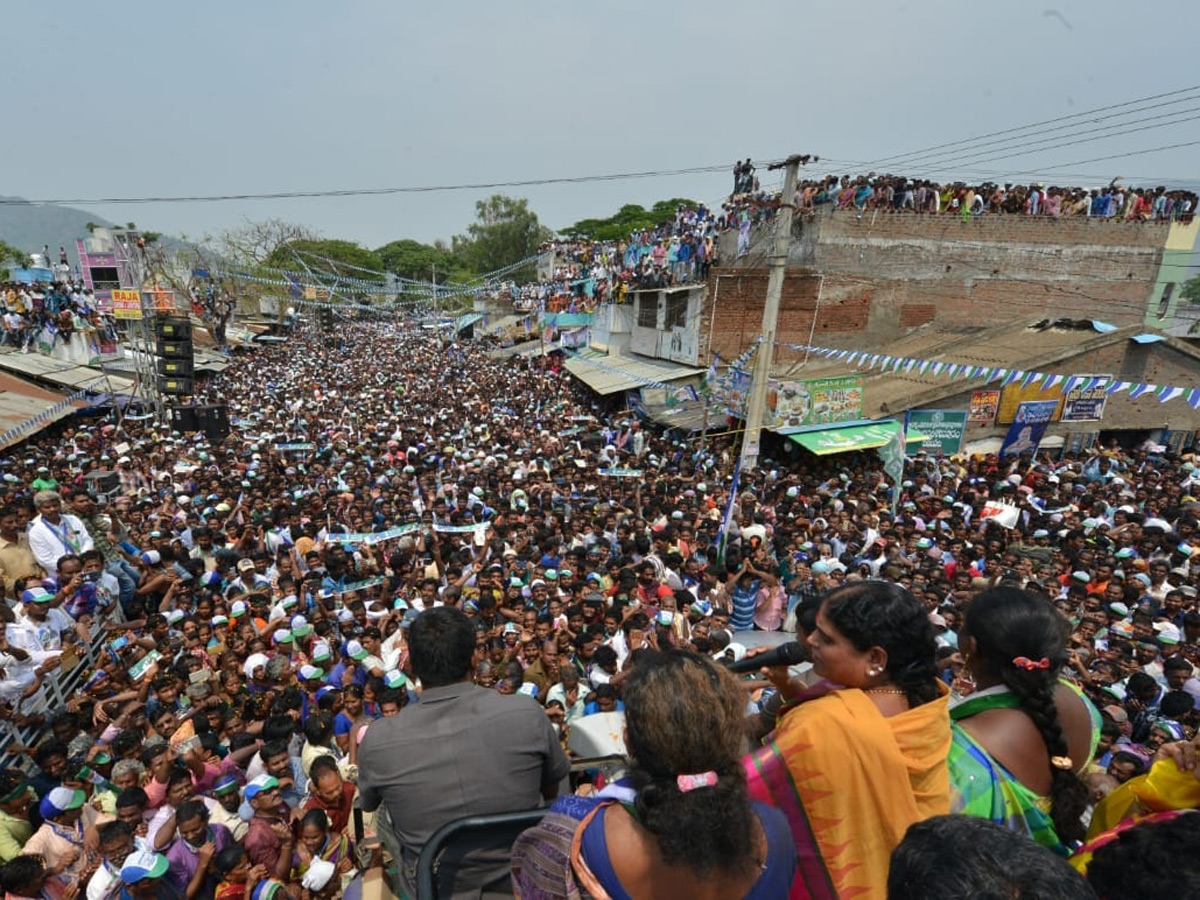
[681, 823]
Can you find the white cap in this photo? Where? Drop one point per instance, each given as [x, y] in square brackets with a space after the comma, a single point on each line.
[254, 661]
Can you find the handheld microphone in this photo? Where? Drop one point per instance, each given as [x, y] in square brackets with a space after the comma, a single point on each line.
[790, 653]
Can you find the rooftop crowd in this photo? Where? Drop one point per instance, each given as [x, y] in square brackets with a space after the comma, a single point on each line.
[899, 193]
[682, 250]
[39, 316]
[265, 667]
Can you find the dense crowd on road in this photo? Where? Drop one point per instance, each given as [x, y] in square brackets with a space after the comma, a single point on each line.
[400, 531]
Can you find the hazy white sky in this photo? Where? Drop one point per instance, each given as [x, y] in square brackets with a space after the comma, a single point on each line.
[141, 98]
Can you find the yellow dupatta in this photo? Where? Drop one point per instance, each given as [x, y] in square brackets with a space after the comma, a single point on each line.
[860, 779]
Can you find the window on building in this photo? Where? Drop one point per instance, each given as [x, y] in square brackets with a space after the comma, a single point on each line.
[1164, 302]
[648, 309]
[677, 307]
[105, 278]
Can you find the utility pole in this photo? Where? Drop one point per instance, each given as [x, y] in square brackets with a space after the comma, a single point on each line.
[437, 301]
[766, 352]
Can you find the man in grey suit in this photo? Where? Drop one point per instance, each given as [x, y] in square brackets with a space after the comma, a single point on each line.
[461, 751]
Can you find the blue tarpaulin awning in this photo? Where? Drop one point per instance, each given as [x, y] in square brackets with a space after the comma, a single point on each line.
[467, 321]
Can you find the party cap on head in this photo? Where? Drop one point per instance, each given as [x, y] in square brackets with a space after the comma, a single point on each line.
[143, 864]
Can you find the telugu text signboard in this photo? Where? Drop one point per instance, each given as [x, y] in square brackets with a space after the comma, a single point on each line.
[1084, 403]
[1014, 395]
[943, 429]
[820, 401]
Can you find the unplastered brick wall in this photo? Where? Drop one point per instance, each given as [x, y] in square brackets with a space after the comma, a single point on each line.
[999, 228]
[885, 275]
[993, 266]
[734, 308]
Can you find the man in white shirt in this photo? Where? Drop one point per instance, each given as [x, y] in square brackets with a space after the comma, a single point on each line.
[571, 692]
[116, 843]
[54, 534]
[39, 632]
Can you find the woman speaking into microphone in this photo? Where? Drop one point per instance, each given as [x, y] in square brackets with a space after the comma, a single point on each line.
[853, 768]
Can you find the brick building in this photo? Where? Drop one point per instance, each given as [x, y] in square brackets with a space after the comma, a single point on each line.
[863, 282]
[1063, 346]
[1067, 296]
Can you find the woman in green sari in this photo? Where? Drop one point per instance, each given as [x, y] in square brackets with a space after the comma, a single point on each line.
[1021, 740]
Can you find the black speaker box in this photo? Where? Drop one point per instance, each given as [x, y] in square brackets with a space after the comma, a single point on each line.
[185, 418]
[180, 387]
[175, 329]
[172, 349]
[181, 368]
[214, 421]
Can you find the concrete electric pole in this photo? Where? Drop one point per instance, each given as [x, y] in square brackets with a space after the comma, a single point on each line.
[766, 351]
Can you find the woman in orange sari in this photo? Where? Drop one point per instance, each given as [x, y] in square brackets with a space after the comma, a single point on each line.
[854, 767]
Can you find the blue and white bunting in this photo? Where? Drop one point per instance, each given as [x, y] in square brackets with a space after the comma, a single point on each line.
[1140, 390]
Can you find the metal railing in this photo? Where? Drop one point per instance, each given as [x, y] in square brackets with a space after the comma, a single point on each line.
[501, 824]
[58, 687]
[497, 826]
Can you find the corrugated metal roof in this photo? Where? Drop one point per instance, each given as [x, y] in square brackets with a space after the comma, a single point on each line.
[502, 324]
[1030, 344]
[689, 416]
[528, 348]
[62, 374]
[467, 321]
[610, 374]
[21, 401]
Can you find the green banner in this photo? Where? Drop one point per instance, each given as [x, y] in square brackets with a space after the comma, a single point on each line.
[819, 401]
[850, 437]
[943, 429]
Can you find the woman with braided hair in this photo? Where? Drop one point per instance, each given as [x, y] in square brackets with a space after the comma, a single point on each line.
[1022, 740]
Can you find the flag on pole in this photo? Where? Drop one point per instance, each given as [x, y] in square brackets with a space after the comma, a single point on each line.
[710, 376]
[892, 454]
[728, 517]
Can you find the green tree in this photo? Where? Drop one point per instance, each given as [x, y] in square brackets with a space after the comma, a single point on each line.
[506, 230]
[345, 258]
[626, 220]
[1191, 290]
[421, 262]
[11, 256]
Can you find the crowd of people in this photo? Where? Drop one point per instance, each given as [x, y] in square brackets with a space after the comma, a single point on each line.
[38, 316]
[683, 250]
[411, 572]
[899, 193]
[586, 272]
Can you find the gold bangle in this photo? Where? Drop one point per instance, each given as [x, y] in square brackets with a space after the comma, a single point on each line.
[1062, 762]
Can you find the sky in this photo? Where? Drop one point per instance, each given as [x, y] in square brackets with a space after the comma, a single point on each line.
[156, 99]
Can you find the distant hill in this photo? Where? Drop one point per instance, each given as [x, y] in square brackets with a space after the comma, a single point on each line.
[29, 226]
